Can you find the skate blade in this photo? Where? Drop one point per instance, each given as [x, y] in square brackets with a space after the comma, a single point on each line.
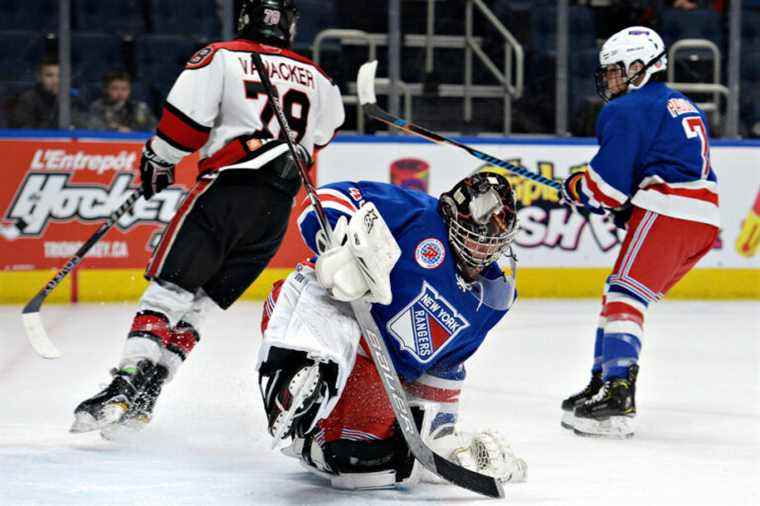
[568, 420]
[615, 427]
[125, 431]
[85, 422]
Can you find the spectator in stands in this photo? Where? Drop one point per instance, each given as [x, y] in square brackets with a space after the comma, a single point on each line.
[116, 110]
[38, 107]
[686, 5]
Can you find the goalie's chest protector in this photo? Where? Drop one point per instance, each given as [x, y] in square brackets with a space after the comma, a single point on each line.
[433, 318]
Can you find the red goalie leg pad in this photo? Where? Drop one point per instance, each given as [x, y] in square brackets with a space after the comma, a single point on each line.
[363, 411]
[151, 325]
[183, 339]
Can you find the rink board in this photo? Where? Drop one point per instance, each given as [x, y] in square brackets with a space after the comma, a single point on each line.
[59, 187]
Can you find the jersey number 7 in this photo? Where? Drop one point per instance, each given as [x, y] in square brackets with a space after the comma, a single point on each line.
[694, 127]
[295, 106]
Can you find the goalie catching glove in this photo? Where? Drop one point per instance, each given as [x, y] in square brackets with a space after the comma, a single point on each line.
[361, 258]
[486, 452]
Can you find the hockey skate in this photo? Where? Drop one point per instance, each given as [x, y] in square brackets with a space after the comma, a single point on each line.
[611, 412]
[140, 412]
[112, 403]
[572, 402]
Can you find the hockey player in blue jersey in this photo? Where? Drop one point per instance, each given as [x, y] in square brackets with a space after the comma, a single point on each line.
[434, 307]
[653, 172]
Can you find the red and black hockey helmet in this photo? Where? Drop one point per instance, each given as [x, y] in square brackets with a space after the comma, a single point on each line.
[271, 22]
[481, 217]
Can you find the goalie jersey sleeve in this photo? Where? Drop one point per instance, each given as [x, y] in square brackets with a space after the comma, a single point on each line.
[435, 319]
[219, 97]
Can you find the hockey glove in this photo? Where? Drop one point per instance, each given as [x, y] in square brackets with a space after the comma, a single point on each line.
[360, 264]
[290, 168]
[621, 216]
[155, 172]
[293, 388]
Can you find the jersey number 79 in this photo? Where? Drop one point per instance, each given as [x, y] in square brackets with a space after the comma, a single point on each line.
[295, 106]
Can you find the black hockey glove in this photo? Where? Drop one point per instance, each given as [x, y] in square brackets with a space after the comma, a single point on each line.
[288, 168]
[155, 172]
[621, 216]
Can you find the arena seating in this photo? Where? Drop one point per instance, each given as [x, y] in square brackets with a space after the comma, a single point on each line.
[28, 46]
[153, 38]
[38, 15]
[124, 16]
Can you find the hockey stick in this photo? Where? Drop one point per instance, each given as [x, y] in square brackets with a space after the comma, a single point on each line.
[365, 85]
[436, 464]
[35, 330]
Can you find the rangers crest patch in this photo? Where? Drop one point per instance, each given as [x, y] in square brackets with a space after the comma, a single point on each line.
[430, 253]
[426, 325]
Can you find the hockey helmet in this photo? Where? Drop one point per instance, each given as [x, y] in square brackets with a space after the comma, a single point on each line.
[271, 22]
[480, 214]
[623, 49]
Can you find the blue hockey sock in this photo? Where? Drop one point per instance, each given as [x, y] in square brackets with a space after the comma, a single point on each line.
[598, 349]
[621, 350]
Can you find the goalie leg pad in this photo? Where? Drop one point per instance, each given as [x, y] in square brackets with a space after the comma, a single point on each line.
[304, 318]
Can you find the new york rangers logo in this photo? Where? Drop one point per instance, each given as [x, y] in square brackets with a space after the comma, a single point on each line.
[271, 17]
[427, 324]
[430, 253]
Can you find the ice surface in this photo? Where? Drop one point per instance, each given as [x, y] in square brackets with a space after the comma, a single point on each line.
[698, 441]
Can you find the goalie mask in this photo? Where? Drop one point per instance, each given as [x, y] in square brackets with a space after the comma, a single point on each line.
[480, 214]
[271, 22]
[636, 44]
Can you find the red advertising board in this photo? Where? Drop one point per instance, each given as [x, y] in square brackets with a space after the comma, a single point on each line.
[55, 193]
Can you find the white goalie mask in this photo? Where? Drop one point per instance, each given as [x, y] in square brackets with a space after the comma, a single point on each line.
[480, 214]
[623, 49]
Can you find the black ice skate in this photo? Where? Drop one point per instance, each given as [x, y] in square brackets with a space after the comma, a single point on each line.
[611, 412]
[572, 402]
[113, 402]
[140, 412]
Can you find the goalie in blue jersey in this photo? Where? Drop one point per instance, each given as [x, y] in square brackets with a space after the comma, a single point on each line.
[434, 304]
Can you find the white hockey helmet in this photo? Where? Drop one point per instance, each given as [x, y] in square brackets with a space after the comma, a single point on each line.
[628, 46]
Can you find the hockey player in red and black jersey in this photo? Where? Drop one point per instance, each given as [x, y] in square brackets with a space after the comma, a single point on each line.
[233, 220]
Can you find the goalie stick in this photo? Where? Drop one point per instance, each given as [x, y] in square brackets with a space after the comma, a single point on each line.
[456, 474]
[365, 85]
[35, 330]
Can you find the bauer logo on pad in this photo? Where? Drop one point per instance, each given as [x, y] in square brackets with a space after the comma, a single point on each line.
[427, 324]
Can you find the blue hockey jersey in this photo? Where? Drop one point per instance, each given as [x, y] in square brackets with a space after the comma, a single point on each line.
[435, 320]
[654, 151]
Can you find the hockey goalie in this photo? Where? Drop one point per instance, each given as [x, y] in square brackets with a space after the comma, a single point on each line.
[429, 266]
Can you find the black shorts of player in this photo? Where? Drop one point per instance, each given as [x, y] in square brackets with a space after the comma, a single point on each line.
[225, 232]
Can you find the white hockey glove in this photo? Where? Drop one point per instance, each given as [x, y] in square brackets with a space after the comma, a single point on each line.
[486, 452]
[360, 261]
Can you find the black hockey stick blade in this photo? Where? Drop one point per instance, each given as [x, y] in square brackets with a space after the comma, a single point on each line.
[365, 86]
[465, 478]
[30, 315]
